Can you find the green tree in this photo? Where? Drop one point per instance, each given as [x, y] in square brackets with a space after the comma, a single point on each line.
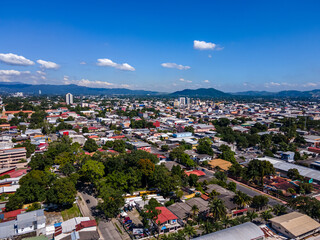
[189, 231]
[279, 209]
[294, 174]
[90, 145]
[259, 201]
[193, 179]
[62, 192]
[251, 215]
[204, 146]
[85, 130]
[165, 148]
[92, 170]
[15, 202]
[232, 186]
[217, 209]
[241, 199]
[266, 215]
[67, 169]
[112, 201]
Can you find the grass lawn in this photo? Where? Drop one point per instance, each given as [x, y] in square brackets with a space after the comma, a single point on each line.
[71, 213]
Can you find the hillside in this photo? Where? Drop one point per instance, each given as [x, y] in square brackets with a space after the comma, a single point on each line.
[201, 92]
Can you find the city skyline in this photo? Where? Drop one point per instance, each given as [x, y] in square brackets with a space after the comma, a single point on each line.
[165, 47]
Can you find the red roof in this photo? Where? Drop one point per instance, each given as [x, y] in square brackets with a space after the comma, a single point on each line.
[205, 197]
[195, 172]
[13, 214]
[116, 137]
[90, 223]
[18, 173]
[92, 128]
[165, 215]
[240, 211]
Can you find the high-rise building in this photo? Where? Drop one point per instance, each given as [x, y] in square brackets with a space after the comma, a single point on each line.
[188, 101]
[182, 101]
[69, 98]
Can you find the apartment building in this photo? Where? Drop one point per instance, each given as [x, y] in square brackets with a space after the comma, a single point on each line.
[13, 157]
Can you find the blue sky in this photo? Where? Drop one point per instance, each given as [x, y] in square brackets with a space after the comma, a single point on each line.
[243, 45]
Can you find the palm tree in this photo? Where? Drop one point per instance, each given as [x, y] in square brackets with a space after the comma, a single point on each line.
[207, 227]
[194, 210]
[234, 222]
[279, 209]
[144, 198]
[217, 226]
[251, 215]
[225, 221]
[241, 199]
[266, 215]
[242, 219]
[217, 208]
[189, 231]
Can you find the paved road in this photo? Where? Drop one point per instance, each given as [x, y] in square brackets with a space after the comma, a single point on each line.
[246, 190]
[107, 230]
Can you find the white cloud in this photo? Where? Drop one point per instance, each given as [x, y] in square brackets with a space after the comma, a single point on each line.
[202, 45]
[174, 65]
[41, 73]
[209, 56]
[47, 64]
[206, 81]
[88, 83]
[184, 80]
[12, 75]
[105, 62]
[273, 84]
[96, 84]
[83, 63]
[310, 84]
[13, 59]
[12, 72]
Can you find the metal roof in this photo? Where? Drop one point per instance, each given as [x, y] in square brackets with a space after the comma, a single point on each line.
[243, 231]
[285, 166]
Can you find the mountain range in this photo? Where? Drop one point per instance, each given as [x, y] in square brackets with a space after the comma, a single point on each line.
[47, 89]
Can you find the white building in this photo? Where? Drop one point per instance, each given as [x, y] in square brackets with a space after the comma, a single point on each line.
[182, 101]
[69, 98]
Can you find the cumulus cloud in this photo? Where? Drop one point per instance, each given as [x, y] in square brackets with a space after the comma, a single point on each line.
[105, 62]
[14, 59]
[202, 45]
[98, 84]
[83, 63]
[41, 73]
[184, 80]
[47, 64]
[174, 65]
[13, 72]
[283, 84]
[11, 75]
[206, 81]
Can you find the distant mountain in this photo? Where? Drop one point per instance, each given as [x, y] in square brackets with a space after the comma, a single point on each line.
[287, 93]
[201, 92]
[63, 89]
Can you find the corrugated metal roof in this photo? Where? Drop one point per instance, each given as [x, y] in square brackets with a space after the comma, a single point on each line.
[245, 231]
[285, 166]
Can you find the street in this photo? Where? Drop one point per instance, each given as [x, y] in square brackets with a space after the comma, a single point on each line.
[88, 205]
[246, 189]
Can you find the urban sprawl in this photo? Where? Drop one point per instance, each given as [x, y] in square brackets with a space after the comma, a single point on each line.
[98, 167]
